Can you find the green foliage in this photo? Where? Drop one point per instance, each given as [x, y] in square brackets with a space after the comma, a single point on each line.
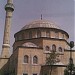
[52, 58]
[70, 67]
[66, 72]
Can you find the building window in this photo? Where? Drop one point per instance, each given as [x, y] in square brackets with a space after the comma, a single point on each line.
[23, 35]
[30, 35]
[16, 38]
[6, 73]
[60, 49]
[20, 37]
[62, 35]
[34, 74]
[45, 74]
[47, 48]
[54, 47]
[56, 35]
[25, 74]
[48, 33]
[25, 59]
[38, 33]
[35, 60]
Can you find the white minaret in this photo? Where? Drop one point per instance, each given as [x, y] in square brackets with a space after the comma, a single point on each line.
[9, 8]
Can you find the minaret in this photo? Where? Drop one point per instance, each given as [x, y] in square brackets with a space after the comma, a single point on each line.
[9, 8]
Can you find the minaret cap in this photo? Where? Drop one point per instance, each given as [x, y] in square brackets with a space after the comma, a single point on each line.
[9, 1]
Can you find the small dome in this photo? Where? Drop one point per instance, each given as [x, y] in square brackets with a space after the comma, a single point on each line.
[29, 44]
[41, 24]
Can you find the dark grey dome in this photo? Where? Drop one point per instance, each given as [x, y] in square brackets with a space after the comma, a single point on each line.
[41, 23]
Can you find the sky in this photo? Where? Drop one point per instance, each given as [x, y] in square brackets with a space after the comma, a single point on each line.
[60, 12]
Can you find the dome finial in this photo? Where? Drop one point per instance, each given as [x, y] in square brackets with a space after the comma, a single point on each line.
[41, 16]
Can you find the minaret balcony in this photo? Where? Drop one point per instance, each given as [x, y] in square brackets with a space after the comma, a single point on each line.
[9, 6]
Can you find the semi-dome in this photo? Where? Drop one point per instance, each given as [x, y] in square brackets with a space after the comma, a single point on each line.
[41, 24]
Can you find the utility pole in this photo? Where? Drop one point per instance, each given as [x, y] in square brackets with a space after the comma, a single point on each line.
[70, 70]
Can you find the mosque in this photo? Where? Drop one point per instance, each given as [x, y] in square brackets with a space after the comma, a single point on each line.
[33, 43]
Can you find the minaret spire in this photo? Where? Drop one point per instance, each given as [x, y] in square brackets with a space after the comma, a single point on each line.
[9, 8]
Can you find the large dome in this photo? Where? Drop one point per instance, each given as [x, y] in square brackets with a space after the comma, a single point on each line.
[41, 24]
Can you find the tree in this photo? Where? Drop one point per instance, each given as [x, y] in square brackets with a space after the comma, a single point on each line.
[52, 59]
[70, 69]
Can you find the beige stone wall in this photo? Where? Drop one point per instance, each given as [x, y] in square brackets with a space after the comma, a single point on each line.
[67, 56]
[17, 64]
[37, 41]
[11, 65]
[30, 68]
[13, 61]
[73, 56]
[16, 60]
[55, 70]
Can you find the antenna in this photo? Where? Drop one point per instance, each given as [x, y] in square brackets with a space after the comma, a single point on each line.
[41, 16]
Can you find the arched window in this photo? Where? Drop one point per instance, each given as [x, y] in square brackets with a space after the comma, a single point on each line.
[60, 49]
[47, 48]
[30, 35]
[54, 47]
[35, 74]
[35, 60]
[25, 74]
[38, 33]
[47, 33]
[62, 35]
[56, 35]
[20, 37]
[16, 38]
[26, 59]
